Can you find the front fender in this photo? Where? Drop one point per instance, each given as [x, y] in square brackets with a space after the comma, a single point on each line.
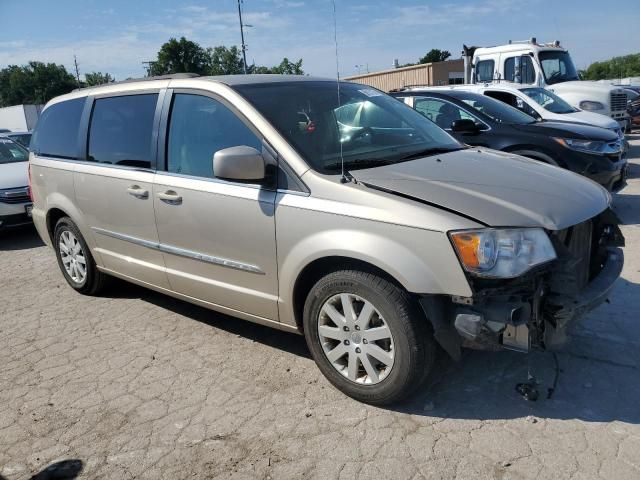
[422, 261]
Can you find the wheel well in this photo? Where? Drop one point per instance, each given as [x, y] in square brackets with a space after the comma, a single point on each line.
[534, 152]
[321, 267]
[53, 216]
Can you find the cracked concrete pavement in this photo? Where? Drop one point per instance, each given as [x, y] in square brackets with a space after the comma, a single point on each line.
[134, 384]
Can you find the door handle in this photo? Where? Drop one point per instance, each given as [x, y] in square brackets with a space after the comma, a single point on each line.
[137, 191]
[170, 197]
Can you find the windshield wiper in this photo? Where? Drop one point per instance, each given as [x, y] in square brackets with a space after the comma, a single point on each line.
[358, 163]
[427, 152]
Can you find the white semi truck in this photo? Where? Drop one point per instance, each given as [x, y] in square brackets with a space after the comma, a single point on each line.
[547, 65]
[19, 118]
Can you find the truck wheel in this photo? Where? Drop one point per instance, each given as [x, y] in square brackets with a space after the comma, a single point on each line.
[367, 336]
[75, 260]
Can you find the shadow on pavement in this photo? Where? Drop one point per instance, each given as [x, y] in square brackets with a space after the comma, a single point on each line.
[597, 377]
[63, 470]
[21, 238]
[627, 206]
[285, 341]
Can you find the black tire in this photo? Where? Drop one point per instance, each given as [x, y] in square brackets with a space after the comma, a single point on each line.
[414, 346]
[94, 281]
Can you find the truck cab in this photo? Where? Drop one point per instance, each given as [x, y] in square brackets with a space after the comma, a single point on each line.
[546, 65]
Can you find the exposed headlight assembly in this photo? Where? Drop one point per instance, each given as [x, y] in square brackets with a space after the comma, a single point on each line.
[588, 146]
[502, 253]
[591, 105]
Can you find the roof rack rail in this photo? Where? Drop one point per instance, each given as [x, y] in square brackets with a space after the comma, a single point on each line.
[170, 76]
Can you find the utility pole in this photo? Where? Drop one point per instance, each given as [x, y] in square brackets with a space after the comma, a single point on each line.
[148, 65]
[75, 64]
[244, 47]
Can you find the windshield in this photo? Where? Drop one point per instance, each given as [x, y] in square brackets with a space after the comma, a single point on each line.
[557, 67]
[368, 127]
[11, 152]
[548, 100]
[22, 138]
[494, 109]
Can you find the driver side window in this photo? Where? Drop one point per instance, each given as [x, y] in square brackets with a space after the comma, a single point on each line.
[440, 112]
[199, 126]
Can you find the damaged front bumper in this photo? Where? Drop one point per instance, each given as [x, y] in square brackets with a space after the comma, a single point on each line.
[534, 311]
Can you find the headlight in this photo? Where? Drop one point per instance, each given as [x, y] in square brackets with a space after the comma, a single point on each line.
[591, 105]
[590, 146]
[504, 253]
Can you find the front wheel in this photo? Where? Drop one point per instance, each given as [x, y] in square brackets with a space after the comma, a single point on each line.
[367, 336]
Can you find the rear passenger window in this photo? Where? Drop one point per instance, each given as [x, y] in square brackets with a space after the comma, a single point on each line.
[484, 70]
[121, 130]
[200, 126]
[56, 133]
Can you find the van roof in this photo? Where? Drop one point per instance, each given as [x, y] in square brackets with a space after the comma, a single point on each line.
[164, 81]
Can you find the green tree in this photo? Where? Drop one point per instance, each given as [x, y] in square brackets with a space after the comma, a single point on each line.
[180, 56]
[616, 67]
[34, 83]
[287, 67]
[97, 78]
[225, 61]
[435, 55]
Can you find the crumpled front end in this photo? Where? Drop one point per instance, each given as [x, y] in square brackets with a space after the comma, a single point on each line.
[534, 311]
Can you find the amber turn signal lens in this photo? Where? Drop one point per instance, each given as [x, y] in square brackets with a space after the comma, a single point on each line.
[467, 245]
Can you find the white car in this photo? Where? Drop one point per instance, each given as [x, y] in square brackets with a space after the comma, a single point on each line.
[542, 104]
[15, 202]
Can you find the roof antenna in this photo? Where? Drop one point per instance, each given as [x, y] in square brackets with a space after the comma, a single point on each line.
[343, 178]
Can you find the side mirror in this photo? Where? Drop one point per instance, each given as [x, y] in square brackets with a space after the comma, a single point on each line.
[240, 163]
[464, 126]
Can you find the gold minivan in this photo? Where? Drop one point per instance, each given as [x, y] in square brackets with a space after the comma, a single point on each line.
[323, 208]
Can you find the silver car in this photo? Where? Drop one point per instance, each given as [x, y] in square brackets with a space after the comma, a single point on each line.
[15, 203]
[364, 227]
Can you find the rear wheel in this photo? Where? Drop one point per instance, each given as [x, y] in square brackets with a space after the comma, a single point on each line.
[367, 336]
[75, 259]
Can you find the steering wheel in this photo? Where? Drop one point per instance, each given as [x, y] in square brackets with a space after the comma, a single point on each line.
[362, 133]
[554, 75]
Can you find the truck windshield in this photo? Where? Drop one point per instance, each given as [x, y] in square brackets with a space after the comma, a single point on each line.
[367, 127]
[11, 152]
[557, 67]
[548, 100]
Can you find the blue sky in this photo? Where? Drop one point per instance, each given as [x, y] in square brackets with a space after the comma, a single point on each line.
[116, 36]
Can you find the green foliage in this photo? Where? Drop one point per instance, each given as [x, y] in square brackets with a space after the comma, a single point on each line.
[34, 83]
[435, 55]
[225, 61]
[179, 56]
[182, 56]
[432, 56]
[287, 67]
[617, 67]
[97, 78]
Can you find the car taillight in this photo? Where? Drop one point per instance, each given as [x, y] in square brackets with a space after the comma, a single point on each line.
[29, 182]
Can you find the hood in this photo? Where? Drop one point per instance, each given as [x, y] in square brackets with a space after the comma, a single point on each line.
[583, 86]
[14, 175]
[494, 188]
[569, 130]
[591, 118]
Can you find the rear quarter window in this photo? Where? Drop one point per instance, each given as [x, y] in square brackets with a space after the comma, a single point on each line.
[56, 134]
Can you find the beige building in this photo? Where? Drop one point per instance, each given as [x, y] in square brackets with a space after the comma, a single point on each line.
[439, 73]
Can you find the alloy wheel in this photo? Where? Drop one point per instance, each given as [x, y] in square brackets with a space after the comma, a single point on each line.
[356, 339]
[73, 258]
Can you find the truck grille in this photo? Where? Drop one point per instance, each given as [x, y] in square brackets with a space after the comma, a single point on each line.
[15, 195]
[618, 102]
